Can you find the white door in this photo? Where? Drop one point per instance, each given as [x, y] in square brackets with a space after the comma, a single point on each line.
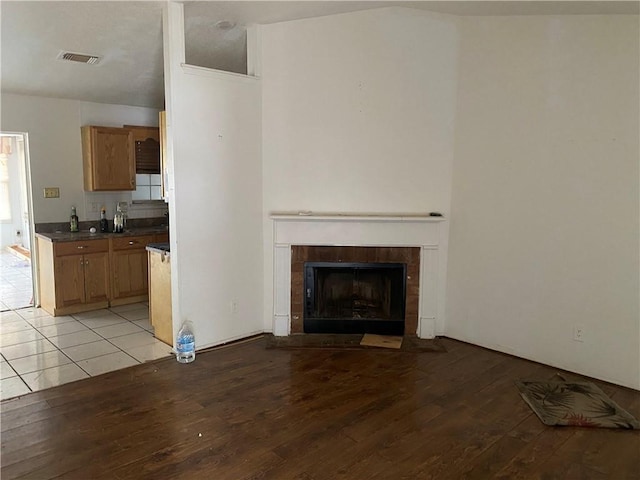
[24, 194]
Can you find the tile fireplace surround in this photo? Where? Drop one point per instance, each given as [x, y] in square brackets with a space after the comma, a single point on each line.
[429, 234]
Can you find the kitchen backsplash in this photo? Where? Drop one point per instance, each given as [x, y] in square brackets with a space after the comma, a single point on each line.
[94, 201]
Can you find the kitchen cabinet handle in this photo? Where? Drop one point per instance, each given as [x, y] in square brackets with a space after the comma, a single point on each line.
[131, 242]
[81, 246]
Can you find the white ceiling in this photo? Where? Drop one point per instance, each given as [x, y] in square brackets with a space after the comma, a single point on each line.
[128, 35]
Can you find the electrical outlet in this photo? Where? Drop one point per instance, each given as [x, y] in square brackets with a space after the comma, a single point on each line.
[234, 307]
[52, 192]
[95, 206]
[578, 333]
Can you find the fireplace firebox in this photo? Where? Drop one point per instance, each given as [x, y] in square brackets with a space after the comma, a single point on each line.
[354, 297]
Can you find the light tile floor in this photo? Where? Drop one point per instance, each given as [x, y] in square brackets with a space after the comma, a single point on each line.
[16, 287]
[38, 351]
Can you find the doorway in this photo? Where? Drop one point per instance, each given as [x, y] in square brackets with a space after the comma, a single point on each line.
[17, 259]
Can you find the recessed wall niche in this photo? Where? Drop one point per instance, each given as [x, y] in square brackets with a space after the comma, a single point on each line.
[214, 39]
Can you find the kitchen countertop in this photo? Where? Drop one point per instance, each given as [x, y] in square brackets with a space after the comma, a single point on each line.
[162, 248]
[60, 236]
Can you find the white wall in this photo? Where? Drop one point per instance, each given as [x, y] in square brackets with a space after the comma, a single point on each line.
[216, 196]
[358, 112]
[544, 229]
[55, 150]
[358, 116]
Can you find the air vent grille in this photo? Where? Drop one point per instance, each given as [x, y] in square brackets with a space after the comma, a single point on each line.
[79, 57]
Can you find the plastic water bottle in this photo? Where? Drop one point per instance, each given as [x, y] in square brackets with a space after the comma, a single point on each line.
[186, 343]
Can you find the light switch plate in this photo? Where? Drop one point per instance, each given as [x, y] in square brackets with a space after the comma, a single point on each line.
[51, 192]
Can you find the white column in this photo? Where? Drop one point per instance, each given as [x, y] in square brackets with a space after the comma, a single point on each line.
[282, 291]
[428, 306]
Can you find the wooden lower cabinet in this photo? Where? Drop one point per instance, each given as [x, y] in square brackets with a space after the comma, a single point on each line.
[96, 277]
[160, 296]
[88, 275]
[130, 272]
[84, 279]
[161, 238]
[74, 276]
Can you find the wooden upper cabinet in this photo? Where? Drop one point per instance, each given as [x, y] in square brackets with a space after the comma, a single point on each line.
[108, 158]
[146, 142]
[142, 134]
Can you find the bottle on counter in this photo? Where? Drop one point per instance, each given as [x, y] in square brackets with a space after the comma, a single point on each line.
[104, 223]
[118, 221]
[74, 220]
[186, 343]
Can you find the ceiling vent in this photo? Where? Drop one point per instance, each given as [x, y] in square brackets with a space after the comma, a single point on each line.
[79, 57]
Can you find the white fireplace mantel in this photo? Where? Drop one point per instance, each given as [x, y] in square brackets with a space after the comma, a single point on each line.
[427, 232]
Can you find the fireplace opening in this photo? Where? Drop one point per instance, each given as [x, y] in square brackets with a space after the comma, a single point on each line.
[354, 297]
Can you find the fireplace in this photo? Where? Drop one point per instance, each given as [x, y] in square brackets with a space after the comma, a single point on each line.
[342, 280]
[416, 240]
[354, 297]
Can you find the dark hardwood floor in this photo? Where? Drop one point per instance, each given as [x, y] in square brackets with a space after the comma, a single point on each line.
[244, 412]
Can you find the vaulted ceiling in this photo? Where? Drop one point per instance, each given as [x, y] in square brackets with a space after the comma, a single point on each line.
[127, 35]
